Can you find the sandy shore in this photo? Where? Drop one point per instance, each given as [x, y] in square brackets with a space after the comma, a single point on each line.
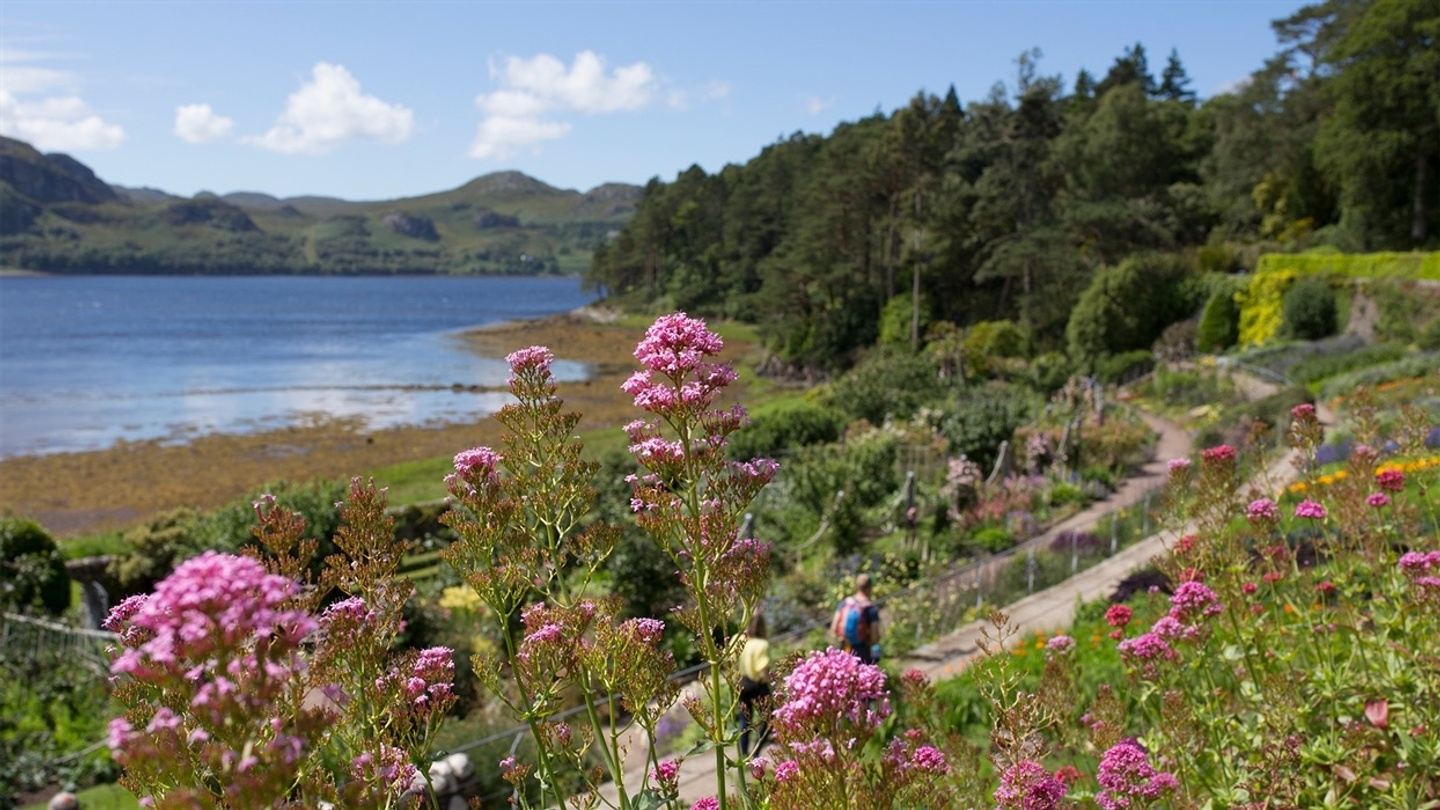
[75, 493]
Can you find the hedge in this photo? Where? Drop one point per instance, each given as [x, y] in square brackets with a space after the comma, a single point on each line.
[1261, 299]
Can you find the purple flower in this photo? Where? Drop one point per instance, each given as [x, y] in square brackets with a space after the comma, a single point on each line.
[1027, 785]
[786, 771]
[1128, 778]
[1262, 510]
[929, 759]
[832, 689]
[1310, 509]
[1060, 644]
[1194, 600]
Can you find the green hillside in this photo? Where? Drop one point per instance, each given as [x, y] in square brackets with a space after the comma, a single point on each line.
[57, 216]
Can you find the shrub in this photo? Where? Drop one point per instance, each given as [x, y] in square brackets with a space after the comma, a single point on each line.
[1127, 306]
[1177, 342]
[1049, 372]
[32, 572]
[1117, 368]
[1309, 310]
[987, 340]
[984, 417]
[1219, 327]
[887, 385]
[1412, 266]
[1416, 365]
[784, 426]
[895, 321]
[993, 539]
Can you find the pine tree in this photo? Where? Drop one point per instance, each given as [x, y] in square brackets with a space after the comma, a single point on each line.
[1175, 82]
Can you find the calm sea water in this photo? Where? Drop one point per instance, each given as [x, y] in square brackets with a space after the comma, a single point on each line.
[88, 361]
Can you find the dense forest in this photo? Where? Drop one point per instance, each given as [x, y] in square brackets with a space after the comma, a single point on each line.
[1009, 206]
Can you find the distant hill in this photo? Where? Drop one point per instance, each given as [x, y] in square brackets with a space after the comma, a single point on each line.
[57, 216]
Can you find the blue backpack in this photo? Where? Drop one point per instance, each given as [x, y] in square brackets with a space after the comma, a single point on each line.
[854, 624]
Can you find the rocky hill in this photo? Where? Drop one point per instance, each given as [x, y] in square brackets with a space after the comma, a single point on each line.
[57, 216]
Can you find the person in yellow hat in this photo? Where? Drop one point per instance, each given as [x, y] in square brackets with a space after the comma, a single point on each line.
[754, 669]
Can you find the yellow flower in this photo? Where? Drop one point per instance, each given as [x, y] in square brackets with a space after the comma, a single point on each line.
[1341, 475]
[1326, 480]
[460, 597]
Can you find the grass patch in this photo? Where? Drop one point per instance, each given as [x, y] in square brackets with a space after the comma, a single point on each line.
[99, 797]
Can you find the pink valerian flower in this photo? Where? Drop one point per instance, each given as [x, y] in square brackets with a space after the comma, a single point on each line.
[648, 631]
[431, 681]
[118, 736]
[830, 691]
[1304, 412]
[1262, 510]
[210, 603]
[1194, 600]
[1178, 467]
[929, 759]
[536, 358]
[1148, 649]
[1060, 644]
[758, 766]
[1310, 509]
[1118, 616]
[658, 454]
[675, 344]
[707, 803]
[481, 461]
[390, 767]
[1249, 588]
[1390, 479]
[1418, 562]
[1129, 780]
[1218, 455]
[1378, 500]
[1172, 629]
[1027, 785]
[787, 770]
[666, 774]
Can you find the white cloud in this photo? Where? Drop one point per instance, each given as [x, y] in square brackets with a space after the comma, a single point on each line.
[49, 122]
[329, 110]
[584, 86]
[535, 91]
[717, 89]
[501, 136]
[815, 105]
[197, 123]
[56, 123]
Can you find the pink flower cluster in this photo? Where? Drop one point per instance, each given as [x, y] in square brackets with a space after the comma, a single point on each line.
[1262, 510]
[1027, 785]
[430, 684]
[1422, 568]
[389, 766]
[1178, 466]
[1304, 412]
[1129, 780]
[1060, 644]
[1390, 479]
[1378, 500]
[1118, 616]
[675, 347]
[666, 774]
[830, 691]
[1193, 601]
[210, 603]
[531, 358]
[1218, 455]
[479, 460]
[1149, 649]
[706, 803]
[1310, 509]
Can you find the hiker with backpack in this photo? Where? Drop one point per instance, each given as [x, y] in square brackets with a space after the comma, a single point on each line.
[856, 626]
[754, 670]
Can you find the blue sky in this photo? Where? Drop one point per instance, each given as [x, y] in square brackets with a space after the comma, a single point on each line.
[374, 100]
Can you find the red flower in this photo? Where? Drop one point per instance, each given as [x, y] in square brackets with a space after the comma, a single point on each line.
[1118, 616]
